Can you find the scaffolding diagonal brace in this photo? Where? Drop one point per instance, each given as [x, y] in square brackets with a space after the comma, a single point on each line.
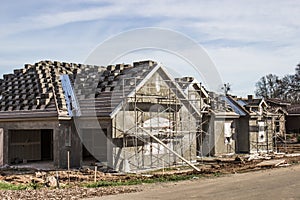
[171, 150]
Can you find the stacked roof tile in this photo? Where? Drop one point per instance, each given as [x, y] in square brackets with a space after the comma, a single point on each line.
[36, 90]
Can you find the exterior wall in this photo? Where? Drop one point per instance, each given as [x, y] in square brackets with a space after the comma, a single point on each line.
[187, 127]
[59, 148]
[205, 141]
[219, 141]
[95, 135]
[67, 140]
[194, 97]
[242, 135]
[222, 146]
[121, 156]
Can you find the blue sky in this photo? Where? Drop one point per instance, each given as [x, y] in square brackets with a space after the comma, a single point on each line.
[245, 39]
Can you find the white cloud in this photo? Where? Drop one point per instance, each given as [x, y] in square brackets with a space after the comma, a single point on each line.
[243, 37]
[250, 21]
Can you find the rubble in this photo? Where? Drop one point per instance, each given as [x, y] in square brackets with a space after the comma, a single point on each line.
[52, 181]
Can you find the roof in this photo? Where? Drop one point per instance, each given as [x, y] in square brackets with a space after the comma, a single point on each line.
[37, 90]
[114, 83]
[241, 102]
[278, 102]
[294, 109]
[252, 102]
[55, 89]
[185, 82]
[236, 107]
[221, 108]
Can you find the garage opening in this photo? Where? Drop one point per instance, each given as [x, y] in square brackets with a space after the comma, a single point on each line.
[30, 145]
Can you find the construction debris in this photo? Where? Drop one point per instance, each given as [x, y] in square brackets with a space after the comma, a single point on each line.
[71, 182]
[271, 163]
[259, 157]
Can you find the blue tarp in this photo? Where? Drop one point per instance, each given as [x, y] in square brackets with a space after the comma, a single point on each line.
[235, 107]
[70, 97]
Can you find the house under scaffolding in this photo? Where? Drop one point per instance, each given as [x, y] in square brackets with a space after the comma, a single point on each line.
[127, 117]
[158, 125]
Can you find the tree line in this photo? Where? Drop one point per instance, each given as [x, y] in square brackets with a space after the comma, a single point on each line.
[285, 88]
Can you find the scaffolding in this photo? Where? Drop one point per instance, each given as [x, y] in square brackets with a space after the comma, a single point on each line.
[273, 134]
[161, 127]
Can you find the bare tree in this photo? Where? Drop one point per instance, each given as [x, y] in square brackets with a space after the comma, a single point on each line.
[269, 86]
[286, 88]
[226, 87]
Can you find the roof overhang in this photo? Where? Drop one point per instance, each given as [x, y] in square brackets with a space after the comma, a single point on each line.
[225, 115]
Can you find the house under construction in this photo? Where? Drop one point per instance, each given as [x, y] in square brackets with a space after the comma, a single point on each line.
[126, 117]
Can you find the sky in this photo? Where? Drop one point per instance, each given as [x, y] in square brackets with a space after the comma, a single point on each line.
[245, 39]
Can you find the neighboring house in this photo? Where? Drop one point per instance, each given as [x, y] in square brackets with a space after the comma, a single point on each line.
[278, 109]
[260, 133]
[128, 117]
[222, 128]
[293, 119]
[241, 125]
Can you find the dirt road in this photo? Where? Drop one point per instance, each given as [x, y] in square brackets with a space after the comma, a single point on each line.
[280, 183]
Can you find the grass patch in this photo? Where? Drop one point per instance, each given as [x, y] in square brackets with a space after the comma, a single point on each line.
[9, 186]
[155, 179]
[217, 174]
